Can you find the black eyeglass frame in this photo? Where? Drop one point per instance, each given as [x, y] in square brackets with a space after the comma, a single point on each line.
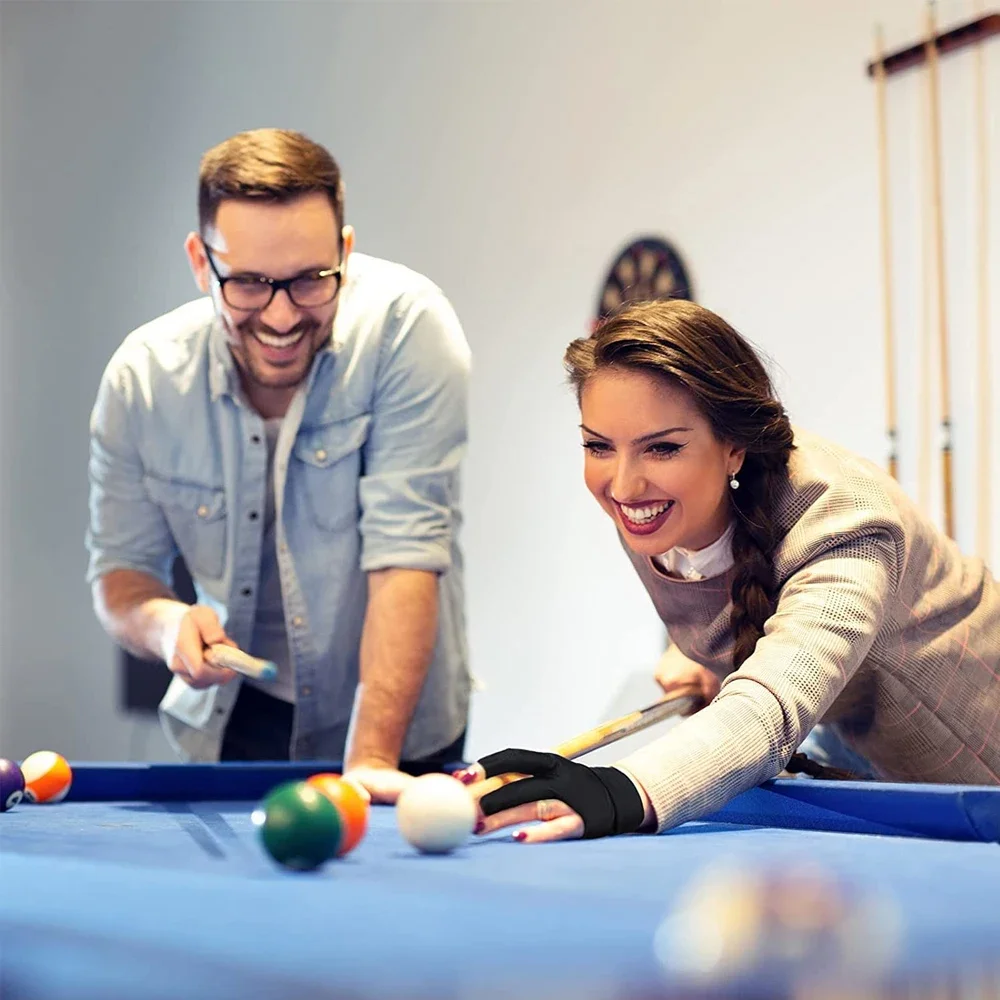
[275, 284]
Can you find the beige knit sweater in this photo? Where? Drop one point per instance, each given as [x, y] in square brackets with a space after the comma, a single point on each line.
[882, 629]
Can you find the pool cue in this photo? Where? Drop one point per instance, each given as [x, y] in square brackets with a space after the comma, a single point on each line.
[926, 413]
[983, 360]
[221, 655]
[682, 702]
[925, 357]
[886, 230]
[934, 122]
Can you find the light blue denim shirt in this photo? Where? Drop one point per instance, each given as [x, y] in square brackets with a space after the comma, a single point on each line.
[366, 477]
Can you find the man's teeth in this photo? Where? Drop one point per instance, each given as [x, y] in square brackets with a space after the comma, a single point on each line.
[287, 341]
[640, 515]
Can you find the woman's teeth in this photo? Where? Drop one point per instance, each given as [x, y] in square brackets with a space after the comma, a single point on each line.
[640, 515]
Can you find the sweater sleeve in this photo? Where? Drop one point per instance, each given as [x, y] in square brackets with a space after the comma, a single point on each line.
[827, 616]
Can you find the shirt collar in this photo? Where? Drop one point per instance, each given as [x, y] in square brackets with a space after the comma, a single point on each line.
[713, 560]
[222, 377]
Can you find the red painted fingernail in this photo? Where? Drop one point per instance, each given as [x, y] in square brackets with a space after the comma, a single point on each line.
[479, 827]
[466, 777]
[521, 835]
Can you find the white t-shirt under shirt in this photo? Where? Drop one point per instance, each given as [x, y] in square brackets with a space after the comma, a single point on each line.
[703, 564]
[270, 640]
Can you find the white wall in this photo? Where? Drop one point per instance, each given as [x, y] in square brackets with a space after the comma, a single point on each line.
[507, 150]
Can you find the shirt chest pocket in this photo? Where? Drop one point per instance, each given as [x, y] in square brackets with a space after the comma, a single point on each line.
[196, 516]
[328, 462]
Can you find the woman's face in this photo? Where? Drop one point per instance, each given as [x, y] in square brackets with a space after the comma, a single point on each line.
[653, 462]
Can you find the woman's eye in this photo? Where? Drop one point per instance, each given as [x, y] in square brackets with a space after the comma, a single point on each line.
[596, 447]
[664, 449]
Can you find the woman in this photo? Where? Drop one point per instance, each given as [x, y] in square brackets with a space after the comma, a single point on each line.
[799, 574]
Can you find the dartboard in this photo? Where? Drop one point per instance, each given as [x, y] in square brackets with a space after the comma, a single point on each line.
[648, 268]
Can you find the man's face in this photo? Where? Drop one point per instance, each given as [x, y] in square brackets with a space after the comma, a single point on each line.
[273, 346]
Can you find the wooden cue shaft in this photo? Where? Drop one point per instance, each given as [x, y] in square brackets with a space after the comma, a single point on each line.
[983, 362]
[886, 230]
[926, 353]
[940, 277]
[680, 702]
[221, 655]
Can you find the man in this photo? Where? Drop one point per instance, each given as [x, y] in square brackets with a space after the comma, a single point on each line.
[296, 437]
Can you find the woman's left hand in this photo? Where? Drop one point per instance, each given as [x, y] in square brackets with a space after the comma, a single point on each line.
[567, 800]
[551, 820]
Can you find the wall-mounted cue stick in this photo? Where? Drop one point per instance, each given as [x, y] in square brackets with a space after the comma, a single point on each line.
[926, 415]
[681, 702]
[934, 122]
[929, 50]
[983, 360]
[885, 226]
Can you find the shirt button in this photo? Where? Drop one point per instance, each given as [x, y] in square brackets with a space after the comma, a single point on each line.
[246, 591]
[320, 455]
[307, 691]
[253, 515]
[203, 511]
[297, 621]
[255, 438]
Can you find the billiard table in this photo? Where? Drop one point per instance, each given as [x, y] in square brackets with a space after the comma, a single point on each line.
[149, 881]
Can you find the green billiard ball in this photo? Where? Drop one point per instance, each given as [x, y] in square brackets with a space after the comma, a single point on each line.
[299, 826]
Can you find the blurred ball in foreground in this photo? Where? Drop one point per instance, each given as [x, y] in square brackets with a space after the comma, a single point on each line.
[784, 925]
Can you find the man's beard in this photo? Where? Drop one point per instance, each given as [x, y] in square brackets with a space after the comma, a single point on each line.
[268, 376]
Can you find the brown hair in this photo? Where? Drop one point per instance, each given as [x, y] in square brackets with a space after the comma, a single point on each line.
[698, 351]
[271, 164]
[701, 353]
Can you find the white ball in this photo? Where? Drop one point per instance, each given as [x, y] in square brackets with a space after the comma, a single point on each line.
[435, 813]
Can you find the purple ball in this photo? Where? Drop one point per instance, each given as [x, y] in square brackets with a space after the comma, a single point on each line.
[11, 784]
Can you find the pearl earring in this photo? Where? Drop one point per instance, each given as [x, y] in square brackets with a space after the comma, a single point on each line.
[734, 483]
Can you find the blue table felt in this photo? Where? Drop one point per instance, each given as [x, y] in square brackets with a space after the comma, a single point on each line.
[150, 882]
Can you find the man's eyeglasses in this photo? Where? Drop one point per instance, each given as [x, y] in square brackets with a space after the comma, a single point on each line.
[253, 292]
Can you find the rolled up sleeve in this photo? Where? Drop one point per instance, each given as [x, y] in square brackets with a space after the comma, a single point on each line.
[126, 529]
[410, 488]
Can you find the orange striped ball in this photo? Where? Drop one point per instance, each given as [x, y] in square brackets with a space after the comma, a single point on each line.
[47, 777]
[350, 802]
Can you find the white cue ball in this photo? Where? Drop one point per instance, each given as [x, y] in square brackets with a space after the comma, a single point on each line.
[435, 813]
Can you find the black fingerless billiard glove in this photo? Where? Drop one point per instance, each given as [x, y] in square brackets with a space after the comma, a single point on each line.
[605, 798]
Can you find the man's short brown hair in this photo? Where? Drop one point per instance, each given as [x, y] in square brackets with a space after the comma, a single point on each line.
[271, 164]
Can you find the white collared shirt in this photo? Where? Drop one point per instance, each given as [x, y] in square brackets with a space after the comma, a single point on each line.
[700, 564]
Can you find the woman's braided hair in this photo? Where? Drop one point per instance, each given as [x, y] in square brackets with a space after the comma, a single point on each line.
[696, 350]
